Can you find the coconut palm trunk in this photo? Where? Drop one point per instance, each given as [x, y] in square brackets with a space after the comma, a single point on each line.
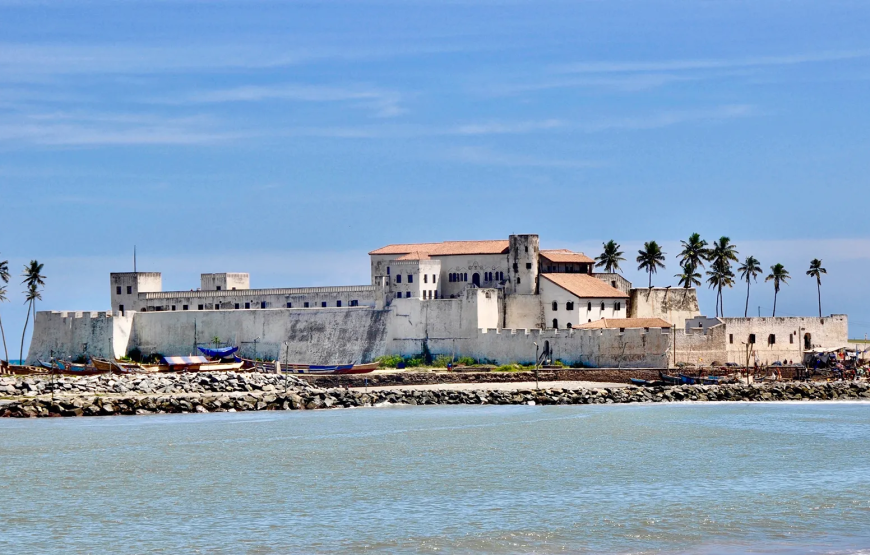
[21, 351]
[3, 335]
[775, 293]
[819, 288]
[746, 310]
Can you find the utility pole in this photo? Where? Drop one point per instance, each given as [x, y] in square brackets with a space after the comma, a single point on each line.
[536, 367]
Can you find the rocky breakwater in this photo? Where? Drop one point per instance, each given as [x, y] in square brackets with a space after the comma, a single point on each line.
[230, 392]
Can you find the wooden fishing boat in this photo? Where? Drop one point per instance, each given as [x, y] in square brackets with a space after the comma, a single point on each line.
[331, 368]
[119, 367]
[638, 381]
[670, 380]
[196, 364]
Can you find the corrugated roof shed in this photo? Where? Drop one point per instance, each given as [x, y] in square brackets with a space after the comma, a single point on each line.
[613, 323]
[447, 248]
[585, 286]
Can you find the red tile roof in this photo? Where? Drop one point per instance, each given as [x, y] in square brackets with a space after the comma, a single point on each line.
[414, 256]
[611, 323]
[448, 248]
[565, 256]
[585, 286]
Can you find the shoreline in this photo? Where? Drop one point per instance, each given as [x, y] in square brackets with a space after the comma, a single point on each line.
[231, 392]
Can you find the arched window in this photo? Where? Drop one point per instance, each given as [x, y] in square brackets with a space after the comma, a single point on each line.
[617, 306]
[555, 324]
[568, 325]
[569, 306]
[464, 277]
[602, 305]
[555, 306]
[589, 306]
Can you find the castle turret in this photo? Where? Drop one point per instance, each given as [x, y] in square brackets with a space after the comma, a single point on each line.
[523, 264]
[126, 287]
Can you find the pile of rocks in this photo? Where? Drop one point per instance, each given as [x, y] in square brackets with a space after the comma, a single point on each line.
[145, 384]
[186, 393]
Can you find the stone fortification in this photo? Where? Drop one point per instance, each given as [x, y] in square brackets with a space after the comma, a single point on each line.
[189, 393]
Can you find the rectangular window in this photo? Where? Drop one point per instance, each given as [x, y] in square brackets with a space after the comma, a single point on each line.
[262, 304]
[528, 265]
[569, 306]
[118, 290]
[408, 295]
[399, 295]
[433, 278]
[217, 306]
[791, 338]
[752, 339]
[338, 304]
[121, 309]
[410, 278]
[173, 307]
[425, 278]
[129, 289]
[516, 267]
[354, 302]
[289, 305]
[771, 339]
[218, 287]
[617, 306]
[247, 305]
[184, 307]
[388, 270]
[200, 307]
[518, 281]
[398, 278]
[323, 304]
[236, 306]
[731, 338]
[306, 304]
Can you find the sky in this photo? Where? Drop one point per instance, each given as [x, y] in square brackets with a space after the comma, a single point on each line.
[288, 139]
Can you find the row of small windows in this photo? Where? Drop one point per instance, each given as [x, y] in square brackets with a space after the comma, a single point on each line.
[570, 306]
[411, 278]
[771, 339]
[129, 290]
[454, 277]
[426, 295]
[237, 306]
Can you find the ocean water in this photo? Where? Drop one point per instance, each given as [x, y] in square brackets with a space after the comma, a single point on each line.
[678, 478]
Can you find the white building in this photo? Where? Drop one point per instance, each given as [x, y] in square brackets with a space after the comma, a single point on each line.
[492, 300]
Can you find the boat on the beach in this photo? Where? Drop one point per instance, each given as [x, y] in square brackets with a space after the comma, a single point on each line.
[670, 380]
[196, 364]
[332, 368]
[69, 368]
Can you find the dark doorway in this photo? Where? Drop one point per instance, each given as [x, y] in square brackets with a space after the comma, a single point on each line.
[475, 279]
[555, 324]
[808, 341]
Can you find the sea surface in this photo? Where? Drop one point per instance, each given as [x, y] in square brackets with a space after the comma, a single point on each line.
[678, 478]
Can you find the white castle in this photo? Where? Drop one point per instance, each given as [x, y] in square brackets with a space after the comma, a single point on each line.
[496, 300]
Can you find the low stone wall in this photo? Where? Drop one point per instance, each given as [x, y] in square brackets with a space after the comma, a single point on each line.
[605, 375]
[103, 396]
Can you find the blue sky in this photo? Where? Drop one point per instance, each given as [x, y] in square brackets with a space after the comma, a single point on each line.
[287, 139]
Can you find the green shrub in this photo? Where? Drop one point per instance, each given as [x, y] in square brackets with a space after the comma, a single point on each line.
[441, 361]
[559, 364]
[466, 361]
[389, 361]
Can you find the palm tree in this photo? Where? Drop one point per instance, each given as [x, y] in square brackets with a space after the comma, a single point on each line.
[748, 272]
[720, 275]
[4, 277]
[34, 279]
[816, 271]
[695, 252]
[651, 258]
[721, 254]
[689, 277]
[611, 257]
[779, 275]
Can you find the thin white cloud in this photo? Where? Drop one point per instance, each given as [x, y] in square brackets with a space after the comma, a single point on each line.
[383, 103]
[93, 129]
[488, 157]
[670, 118]
[502, 128]
[707, 64]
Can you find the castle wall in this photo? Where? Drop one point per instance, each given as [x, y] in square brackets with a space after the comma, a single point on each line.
[252, 299]
[322, 336]
[69, 335]
[675, 305]
[523, 312]
[784, 338]
[608, 348]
